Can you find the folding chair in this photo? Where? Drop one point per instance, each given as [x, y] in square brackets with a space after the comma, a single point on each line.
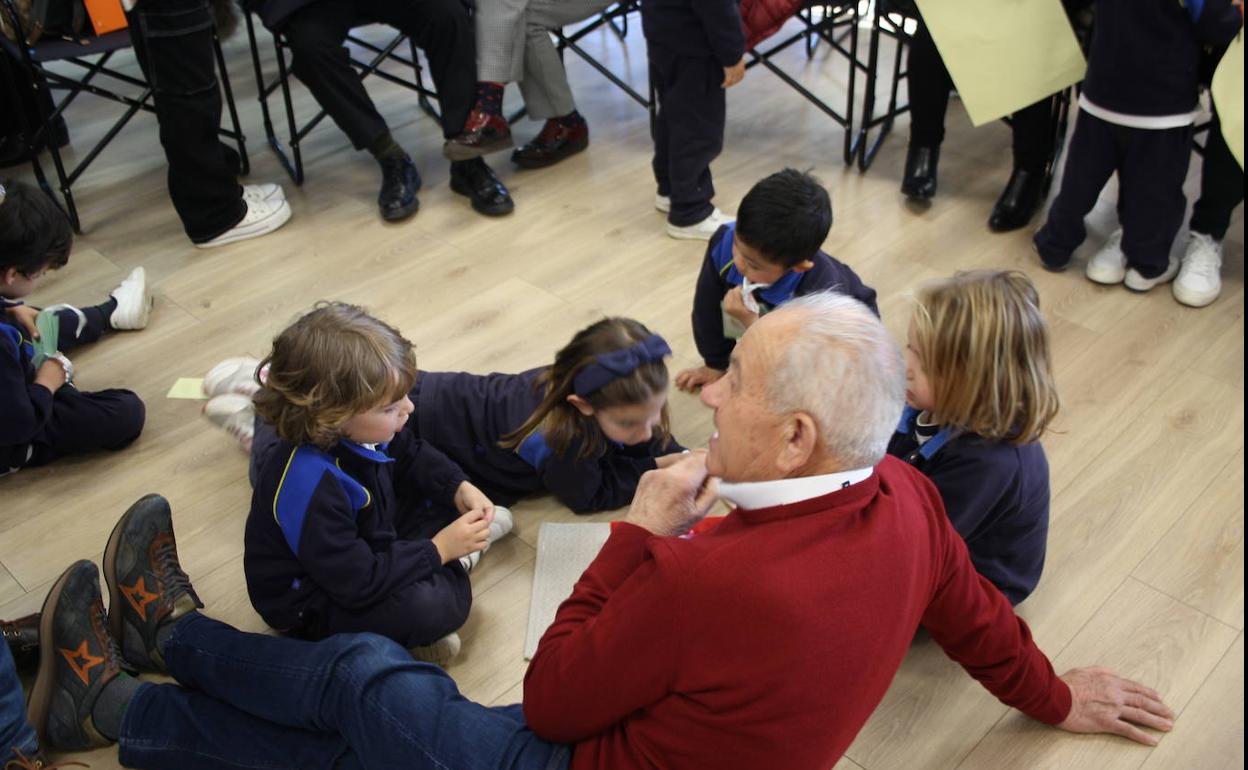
[380, 54]
[93, 57]
[889, 19]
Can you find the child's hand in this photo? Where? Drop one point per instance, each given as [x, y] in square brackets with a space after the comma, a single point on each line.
[469, 498]
[51, 375]
[463, 536]
[734, 305]
[24, 316]
[691, 379]
[734, 74]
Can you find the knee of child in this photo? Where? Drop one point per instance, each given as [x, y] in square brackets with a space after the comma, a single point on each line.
[134, 415]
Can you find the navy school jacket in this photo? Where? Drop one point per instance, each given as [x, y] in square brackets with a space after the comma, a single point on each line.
[996, 496]
[322, 526]
[464, 415]
[24, 407]
[696, 28]
[719, 276]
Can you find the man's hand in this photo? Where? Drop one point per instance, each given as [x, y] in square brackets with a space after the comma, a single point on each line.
[1103, 702]
[691, 379]
[465, 535]
[24, 316]
[734, 74]
[670, 501]
[468, 498]
[734, 305]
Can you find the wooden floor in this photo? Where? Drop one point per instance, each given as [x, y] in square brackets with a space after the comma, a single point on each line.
[1146, 557]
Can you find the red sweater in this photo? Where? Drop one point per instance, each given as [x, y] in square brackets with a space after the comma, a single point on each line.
[768, 641]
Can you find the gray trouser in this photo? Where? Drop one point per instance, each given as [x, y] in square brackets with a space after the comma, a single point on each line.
[514, 45]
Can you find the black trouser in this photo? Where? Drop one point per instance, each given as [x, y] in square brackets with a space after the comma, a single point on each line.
[688, 131]
[1221, 186]
[173, 43]
[1151, 166]
[441, 28]
[930, 85]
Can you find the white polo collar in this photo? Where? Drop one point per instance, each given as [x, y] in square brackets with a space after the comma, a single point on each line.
[752, 495]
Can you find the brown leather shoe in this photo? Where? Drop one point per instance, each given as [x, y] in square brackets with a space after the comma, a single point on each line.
[555, 142]
[22, 636]
[483, 133]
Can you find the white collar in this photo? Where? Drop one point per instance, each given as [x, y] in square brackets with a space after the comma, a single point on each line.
[752, 495]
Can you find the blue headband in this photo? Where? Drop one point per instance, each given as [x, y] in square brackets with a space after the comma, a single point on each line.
[619, 363]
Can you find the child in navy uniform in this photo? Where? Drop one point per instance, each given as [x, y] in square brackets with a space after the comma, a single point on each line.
[696, 50]
[355, 524]
[42, 415]
[979, 395]
[1136, 112]
[768, 257]
[584, 428]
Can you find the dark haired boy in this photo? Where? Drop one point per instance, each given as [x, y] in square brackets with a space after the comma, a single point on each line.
[42, 415]
[767, 257]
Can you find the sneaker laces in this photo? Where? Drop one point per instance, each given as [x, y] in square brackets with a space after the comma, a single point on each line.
[23, 762]
[1204, 263]
[113, 659]
[174, 581]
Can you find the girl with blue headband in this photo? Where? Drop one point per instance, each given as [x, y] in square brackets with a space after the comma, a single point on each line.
[583, 429]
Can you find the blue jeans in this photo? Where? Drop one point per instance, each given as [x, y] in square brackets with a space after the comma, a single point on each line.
[15, 731]
[350, 701]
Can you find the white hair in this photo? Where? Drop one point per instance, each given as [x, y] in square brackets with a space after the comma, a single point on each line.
[844, 370]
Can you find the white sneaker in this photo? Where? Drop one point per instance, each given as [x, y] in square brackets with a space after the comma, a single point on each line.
[1109, 265]
[1136, 282]
[501, 525]
[134, 301]
[266, 191]
[440, 652]
[1200, 278]
[236, 414]
[663, 203]
[470, 561]
[233, 375]
[262, 218]
[700, 231]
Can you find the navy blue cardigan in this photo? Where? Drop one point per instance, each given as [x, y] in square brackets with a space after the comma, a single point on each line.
[696, 28]
[24, 406]
[464, 416]
[996, 495]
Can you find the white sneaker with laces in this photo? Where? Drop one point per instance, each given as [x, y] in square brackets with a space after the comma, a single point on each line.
[1138, 283]
[262, 218]
[1109, 265]
[134, 302]
[267, 191]
[233, 375]
[236, 414]
[700, 231]
[1200, 278]
[663, 203]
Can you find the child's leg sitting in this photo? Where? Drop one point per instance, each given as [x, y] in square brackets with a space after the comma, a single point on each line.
[127, 308]
[1090, 161]
[87, 422]
[1151, 203]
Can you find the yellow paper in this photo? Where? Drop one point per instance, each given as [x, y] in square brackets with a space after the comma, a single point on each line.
[1228, 96]
[187, 387]
[1004, 55]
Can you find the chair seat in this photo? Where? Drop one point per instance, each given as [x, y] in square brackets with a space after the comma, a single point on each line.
[57, 50]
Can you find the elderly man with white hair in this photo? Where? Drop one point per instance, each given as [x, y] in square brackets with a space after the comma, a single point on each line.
[765, 642]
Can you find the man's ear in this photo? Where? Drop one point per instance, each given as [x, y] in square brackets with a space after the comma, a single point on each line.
[581, 405]
[801, 438]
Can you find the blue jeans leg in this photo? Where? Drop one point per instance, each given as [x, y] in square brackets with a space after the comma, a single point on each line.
[378, 707]
[16, 734]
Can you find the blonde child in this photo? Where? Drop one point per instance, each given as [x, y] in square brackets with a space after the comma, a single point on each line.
[979, 395]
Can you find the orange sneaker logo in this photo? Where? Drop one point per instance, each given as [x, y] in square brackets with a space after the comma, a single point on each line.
[139, 597]
[80, 661]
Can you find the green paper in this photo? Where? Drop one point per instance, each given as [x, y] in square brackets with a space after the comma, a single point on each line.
[1228, 96]
[49, 326]
[1004, 55]
[188, 388]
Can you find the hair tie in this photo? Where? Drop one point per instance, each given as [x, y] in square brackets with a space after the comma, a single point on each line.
[619, 363]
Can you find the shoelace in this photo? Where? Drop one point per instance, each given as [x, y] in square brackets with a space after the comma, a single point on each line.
[23, 762]
[1204, 264]
[112, 650]
[176, 582]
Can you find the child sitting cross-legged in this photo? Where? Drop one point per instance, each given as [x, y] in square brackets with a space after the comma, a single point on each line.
[979, 395]
[356, 524]
[770, 255]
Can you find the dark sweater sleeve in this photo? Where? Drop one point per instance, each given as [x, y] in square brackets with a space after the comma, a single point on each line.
[976, 626]
[596, 484]
[609, 651]
[24, 407]
[722, 21]
[345, 565]
[708, 316]
[423, 468]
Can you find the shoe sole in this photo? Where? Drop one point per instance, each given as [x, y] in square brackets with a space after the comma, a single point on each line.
[126, 323]
[399, 215]
[264, 227]
[40, 702]
[686, 236]
[664, 209]
[1105, 280]
[499, 211]
[454, 151]
[1192, 299]
[569, 152]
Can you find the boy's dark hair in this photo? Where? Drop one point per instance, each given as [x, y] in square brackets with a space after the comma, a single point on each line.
[34, 233]
[786, 216]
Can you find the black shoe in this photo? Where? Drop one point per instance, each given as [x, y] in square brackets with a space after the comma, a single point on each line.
[919, 181]
[22, 637]
[476, 180]
[1018, 202]
[399, 183]
[14, 150]
[77, 659]
[146, 585]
